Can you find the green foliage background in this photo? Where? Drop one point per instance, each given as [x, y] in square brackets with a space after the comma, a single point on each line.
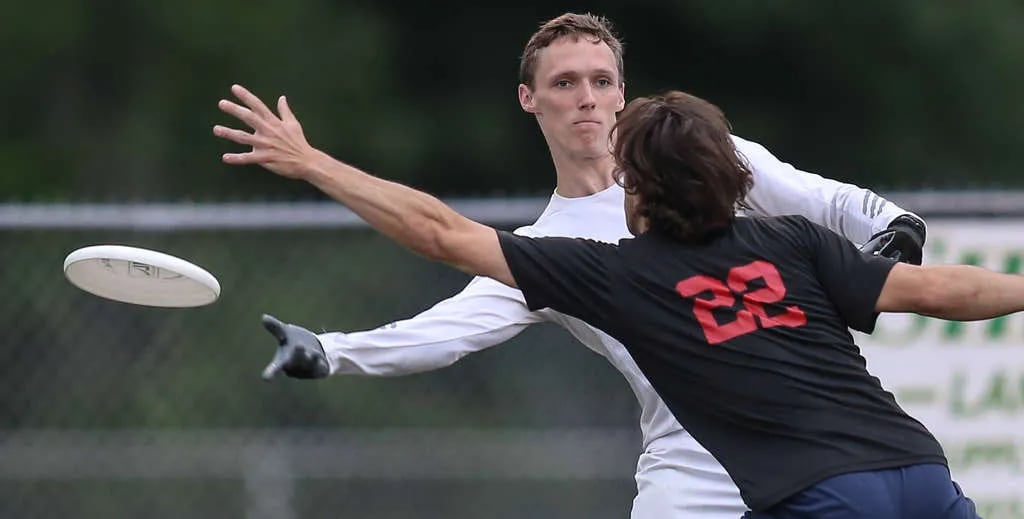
[108, 100]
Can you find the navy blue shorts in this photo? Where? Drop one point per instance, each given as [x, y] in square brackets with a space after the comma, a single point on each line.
[915, 491]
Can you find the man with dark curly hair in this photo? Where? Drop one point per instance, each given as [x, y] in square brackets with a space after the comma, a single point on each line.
[741, 324]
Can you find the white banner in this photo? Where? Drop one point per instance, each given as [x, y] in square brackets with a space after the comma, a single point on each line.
[965, 381]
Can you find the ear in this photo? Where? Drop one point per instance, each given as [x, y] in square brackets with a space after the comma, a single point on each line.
[526, 99]
[622, 98]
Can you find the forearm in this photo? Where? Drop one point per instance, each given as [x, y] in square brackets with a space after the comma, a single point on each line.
[416, 220]
[401, 348]
[484, 314]
[412, 218]
[969, 293]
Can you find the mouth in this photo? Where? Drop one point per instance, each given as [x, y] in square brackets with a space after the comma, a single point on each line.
[586, 123]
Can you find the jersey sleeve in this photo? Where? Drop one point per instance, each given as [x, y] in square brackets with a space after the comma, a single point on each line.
[568, 275]
[484, 314]
[852, 279]
[780, 189]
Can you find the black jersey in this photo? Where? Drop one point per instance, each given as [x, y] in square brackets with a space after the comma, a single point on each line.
[746, 339]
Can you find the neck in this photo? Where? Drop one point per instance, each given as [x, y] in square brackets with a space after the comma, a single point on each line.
[582, 177]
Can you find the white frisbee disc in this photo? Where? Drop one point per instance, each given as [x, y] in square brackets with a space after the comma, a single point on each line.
[140, 276]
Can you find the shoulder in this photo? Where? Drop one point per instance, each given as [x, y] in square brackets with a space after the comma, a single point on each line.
[793, 230]
[529, 239]
[555, 257]
[780, 223]
[740, 141]
[750, 149]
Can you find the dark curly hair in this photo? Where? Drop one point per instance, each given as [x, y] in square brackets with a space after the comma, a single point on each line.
[674, 151]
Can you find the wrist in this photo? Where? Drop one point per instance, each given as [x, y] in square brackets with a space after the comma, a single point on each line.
[911, 224]
[316, 167]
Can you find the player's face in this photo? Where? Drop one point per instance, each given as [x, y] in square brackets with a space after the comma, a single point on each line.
[575, 96]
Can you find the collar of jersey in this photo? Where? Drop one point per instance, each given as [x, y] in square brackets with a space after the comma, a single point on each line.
[613, 194]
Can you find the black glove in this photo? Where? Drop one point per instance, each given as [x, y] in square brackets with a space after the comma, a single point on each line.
[902, 241]
[299, 353]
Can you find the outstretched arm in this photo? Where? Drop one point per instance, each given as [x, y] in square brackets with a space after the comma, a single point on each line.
[416, 220]
[484, 314]
[861, 286]
[953, 292]
[853, 212]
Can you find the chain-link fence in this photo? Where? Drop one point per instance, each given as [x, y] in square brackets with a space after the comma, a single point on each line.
[114, 410]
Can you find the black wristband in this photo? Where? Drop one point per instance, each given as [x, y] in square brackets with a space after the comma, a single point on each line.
[911, 224]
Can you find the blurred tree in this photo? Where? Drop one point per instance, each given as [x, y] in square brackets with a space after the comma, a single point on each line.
[111, 100]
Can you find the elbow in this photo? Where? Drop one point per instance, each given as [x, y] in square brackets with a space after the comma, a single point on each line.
[433, 239]
[430, 240]
[439, 249]
[449, 239]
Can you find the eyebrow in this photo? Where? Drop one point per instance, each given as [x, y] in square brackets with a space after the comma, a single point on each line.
[577, 73]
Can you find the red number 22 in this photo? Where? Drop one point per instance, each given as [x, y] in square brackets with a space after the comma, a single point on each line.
[738, 281]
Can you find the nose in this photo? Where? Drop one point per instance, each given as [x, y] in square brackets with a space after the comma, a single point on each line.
[587, 100]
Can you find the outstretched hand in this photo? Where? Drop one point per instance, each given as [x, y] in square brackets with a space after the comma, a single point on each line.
[278, 143]
[299, 353]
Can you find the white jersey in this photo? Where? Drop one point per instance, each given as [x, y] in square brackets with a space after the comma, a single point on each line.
[676, 476]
